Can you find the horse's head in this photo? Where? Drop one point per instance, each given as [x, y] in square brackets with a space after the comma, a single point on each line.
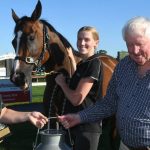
[30, 43]
[37, 43]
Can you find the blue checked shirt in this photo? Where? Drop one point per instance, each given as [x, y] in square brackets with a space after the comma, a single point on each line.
[128, 96]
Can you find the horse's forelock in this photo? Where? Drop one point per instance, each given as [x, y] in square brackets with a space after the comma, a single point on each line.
[20, 23]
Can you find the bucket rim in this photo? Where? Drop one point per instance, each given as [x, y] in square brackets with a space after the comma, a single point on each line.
[52, 132]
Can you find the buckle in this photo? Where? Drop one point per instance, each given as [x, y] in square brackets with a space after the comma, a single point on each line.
[29, 60]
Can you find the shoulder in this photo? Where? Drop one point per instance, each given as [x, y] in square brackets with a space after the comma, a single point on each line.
[90, 62]
[125, 62]
[93, 68]
[94, 59]
[94, 63]
[125, 66]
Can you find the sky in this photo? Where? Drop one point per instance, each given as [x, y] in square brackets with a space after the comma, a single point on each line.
[67, 16]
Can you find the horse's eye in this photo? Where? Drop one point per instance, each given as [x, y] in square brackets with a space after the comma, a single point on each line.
[31, 37]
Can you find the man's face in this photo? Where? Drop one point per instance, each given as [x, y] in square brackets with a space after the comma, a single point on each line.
[138, 48]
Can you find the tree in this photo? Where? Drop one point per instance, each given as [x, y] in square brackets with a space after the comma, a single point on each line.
[102, 51]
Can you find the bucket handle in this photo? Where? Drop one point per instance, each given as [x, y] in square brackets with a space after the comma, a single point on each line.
[38, 131]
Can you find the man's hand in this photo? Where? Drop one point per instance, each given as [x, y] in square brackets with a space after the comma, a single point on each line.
[37, 119]
[69, 120]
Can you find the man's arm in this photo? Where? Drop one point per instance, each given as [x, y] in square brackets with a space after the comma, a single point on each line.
[9, 116]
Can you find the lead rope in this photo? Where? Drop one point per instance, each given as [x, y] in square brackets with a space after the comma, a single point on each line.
[50, 105]
[69, 133]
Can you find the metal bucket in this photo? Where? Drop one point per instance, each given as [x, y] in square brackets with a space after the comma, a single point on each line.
[52, 139]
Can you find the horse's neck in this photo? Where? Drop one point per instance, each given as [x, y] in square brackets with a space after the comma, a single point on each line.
[65, 61]
[62, 45]
[70, 63]
[108, 66]
[108, 62]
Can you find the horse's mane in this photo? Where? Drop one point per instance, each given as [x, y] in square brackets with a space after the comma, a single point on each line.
[62, 38]
[65, 42]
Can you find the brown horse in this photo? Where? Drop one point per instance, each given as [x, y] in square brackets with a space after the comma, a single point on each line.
[37, 43]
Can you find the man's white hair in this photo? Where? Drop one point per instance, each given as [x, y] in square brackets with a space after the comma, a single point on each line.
[137, 26]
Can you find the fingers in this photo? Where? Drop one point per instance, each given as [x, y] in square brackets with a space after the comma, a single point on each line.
[69, 120]
[43, 118]
[39, 116]
[69, 49]
[41, 122]
[39, 125]
[65, 124]
[65, 121]
[38, 119]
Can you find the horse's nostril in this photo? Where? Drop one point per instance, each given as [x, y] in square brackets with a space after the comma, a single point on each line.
[18, 79]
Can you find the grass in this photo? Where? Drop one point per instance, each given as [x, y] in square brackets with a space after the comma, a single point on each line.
[37, 93]
[37, 96]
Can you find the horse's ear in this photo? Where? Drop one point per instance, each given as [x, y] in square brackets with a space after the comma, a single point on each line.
[14, 16]
[37, 11]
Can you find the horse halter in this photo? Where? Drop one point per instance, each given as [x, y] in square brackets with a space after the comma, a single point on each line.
[30, 60]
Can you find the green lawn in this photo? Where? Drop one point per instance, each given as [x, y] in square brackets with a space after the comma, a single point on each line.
[37, 93]
[37, 96]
